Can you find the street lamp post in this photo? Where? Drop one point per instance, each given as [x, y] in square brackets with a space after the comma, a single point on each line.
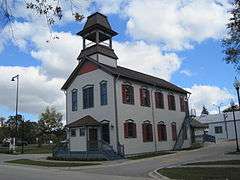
[234, 120]
[16, 115]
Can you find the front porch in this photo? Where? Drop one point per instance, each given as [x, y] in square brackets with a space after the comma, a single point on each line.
[89, 139]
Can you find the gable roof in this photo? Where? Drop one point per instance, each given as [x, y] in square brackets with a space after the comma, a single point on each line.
[85, 121]
[126, 73]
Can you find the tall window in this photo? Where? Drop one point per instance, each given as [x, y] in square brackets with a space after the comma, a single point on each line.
[88, 97]
[147, 132]
[74, 100]
[183, 104]
[127, 94]
[144, 97]
[218, 129]
[159, 100]
[103, 93]
[73, 132]
[171, 102]
[130, 129]
[174, 131]
[162, 131]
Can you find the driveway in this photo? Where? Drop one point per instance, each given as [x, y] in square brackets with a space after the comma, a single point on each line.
[128, 170]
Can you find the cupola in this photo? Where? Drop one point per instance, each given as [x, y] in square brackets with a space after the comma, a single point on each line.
[97, 40]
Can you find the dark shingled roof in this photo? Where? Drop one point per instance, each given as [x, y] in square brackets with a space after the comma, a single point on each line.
[196, 124]
[98, 48]
[127, 74]
[97, 20]
[85, 121]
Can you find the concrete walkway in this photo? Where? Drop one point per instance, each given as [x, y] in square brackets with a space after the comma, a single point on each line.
[135, 169]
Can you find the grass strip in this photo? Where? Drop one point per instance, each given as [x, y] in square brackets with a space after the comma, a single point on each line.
[227, 162]
[50, 163]
[189, 173]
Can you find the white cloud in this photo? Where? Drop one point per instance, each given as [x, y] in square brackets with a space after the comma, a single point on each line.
[177, 24]
[207, 95]
[186, 72]
[110, 6]
[147, 58]
[36, 91]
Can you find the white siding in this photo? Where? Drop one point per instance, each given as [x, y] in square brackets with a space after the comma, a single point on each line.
[139, 114]
[98, 112]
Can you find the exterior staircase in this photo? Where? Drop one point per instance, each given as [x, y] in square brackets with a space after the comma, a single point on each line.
[104, 152]
[182, 133]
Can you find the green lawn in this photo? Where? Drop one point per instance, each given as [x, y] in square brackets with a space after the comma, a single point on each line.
[149, 155]
[228, 162]
[197, 173]
[50, 163]
[30, 149]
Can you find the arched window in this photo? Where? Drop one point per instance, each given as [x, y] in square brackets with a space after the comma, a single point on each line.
[171, 102]
[162, 131]
[103, 93]
[88, 97]
[127, 94]
[147, 132]
[74, 100]
[130, 130]
[145, 97]
[159, 100]
[174, 131]
[183, 103]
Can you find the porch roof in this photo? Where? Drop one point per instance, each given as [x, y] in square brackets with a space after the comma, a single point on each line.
[85, 121]
[196, 124]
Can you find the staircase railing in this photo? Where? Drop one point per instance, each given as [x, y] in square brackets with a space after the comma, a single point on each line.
[182, 133]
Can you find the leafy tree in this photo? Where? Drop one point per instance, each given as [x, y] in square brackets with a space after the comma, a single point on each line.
[51, 10]
[2, 119]
[204, 111]
[232, 42]
[50, 125]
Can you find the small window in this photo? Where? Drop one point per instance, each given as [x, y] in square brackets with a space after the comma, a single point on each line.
[162, 132]
[74, 100]
[145, 97]
[130, 129]
[171, 102]
[103, 93]
[147, 132]
[174, 131]
[127, 94]
[73, 132]
[159, 100]
[88, 97]
[218, 130]
[81, 131]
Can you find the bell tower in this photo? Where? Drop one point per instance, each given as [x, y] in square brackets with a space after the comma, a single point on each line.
[97, 37]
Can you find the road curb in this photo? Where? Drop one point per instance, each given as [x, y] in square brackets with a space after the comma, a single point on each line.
[157, 176]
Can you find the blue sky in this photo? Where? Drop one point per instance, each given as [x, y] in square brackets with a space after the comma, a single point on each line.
[188, 53]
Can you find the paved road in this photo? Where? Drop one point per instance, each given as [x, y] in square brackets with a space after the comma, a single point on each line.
[129, 170]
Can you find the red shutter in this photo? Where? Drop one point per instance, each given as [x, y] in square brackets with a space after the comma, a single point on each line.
[174, 132]
[141, 97]
[159, 132]
[164, 133]
[157, 100]
[173, 102]
[144, 134]
[161, 99]
[123, 94]
[125, 130]
[169, 102]
[151, 132]
[134, 131]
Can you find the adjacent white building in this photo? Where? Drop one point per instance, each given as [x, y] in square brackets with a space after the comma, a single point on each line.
[115, 110]
[222, 125]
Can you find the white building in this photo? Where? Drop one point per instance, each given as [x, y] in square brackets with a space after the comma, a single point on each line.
[118, 110]
[222, 125]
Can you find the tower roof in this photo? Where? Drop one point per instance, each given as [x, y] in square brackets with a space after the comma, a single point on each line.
[97, 21]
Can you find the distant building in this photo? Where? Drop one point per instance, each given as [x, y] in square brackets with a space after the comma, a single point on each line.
[221, 125]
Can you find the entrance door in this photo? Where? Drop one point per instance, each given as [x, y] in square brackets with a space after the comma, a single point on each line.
[105, 132]
[93, 139]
